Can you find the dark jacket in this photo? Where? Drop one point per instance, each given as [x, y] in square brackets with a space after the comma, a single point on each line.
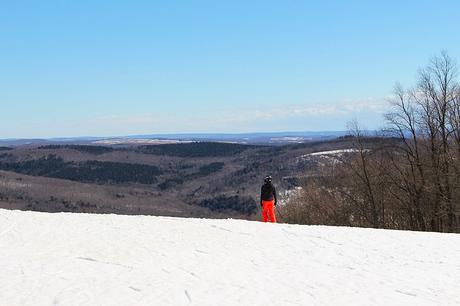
[268, 193]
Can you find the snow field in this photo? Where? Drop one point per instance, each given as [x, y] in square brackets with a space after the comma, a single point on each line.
[84, 259]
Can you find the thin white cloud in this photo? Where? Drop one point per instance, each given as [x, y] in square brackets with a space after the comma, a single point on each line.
[344, 110]
[283, 117]
[128, 119]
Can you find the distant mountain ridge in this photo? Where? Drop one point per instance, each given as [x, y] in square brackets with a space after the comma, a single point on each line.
[245, 138]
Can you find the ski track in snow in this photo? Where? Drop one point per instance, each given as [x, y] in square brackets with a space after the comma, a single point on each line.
[83, 259]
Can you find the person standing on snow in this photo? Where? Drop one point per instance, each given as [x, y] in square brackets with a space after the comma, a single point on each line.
[268, 200]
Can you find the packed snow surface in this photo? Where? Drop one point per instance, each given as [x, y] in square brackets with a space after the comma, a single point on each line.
[83, 259]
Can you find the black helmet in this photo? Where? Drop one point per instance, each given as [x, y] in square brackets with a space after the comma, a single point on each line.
[268, 179]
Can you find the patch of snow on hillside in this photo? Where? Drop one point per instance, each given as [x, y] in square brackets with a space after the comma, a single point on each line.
[332, 156]
[132, 141]
[333, 152]
[83, 259]
[289, 194]
[288, 139]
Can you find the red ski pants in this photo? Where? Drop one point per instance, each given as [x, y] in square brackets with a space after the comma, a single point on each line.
[268, 211]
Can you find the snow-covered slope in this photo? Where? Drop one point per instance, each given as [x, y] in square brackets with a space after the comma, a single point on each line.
[82, 259]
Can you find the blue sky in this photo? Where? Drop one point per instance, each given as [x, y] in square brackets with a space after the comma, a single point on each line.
[101, 68]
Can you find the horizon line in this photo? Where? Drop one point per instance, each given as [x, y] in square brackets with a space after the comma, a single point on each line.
[175, 134]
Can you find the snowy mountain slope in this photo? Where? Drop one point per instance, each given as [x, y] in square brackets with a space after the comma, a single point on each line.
[82, 259]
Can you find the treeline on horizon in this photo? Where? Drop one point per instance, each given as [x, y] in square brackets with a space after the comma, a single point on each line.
[192, 149]
[90, 149]
[196, 149]
[412, 183]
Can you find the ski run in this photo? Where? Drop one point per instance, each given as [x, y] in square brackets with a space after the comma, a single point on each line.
[89, 259]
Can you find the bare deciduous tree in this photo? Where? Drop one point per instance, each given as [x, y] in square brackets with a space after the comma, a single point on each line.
[412, 182]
